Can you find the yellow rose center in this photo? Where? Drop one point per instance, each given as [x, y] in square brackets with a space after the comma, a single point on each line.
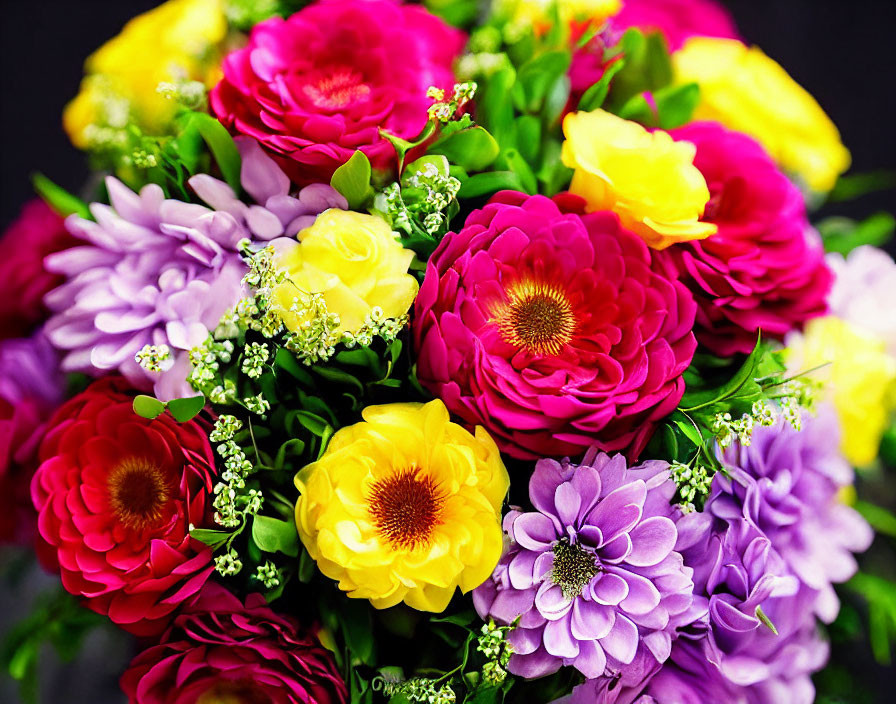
[405, 507]
[537, 317]
[337, 90]
[138, 492]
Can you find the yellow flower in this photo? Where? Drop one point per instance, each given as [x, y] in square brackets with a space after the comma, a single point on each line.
[537, 13]
[745, 90]
[354, 260]
[646, 178]
[859, 380]
[175, 41]
[404, 506]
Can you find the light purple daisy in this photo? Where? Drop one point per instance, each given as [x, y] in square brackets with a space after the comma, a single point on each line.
[155, 271]
[591, 574]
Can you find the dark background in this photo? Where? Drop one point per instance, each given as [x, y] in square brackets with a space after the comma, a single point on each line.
[842, 52]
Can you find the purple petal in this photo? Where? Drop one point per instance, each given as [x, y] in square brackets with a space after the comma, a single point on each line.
[652, 540]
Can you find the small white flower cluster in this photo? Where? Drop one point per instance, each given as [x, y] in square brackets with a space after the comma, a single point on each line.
[155, 358]
[231, 504]
[691, 482]
[726, 429]
[445, 110]
[268, 575]
[190, 94]
[316, 338]
[255, 356]
[420, 690]
[228, 564]
[492, 642]
[206, 360]
[376, 324]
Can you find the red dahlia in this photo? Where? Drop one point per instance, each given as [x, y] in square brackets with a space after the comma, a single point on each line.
[116, 495]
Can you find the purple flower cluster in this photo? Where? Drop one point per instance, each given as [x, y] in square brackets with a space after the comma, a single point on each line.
[156, 271]
[656, 605]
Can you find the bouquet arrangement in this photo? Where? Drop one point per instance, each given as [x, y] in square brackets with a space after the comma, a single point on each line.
[448, 353]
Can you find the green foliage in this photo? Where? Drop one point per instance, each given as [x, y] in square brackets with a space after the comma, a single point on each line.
[647, 67]
[182, 409]
[843, 235]
[60, 200]
[148, 407]
[852, 186]
[594, 97]
[352, 180]
[274, 535]
[56, 619]
[880, 596]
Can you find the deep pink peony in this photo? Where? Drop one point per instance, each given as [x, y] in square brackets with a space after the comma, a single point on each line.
[220, 650]
[317, 86]
[677, 19]
[37, 232]
[764, 269]
[551, 329]
[115, 496]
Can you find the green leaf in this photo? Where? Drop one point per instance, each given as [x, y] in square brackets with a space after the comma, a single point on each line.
[148, 407]
[352, 180]
[313, 423]
[437, 160]
[521, 168]
[291, 448]
[60, 200]
[221, 145]
[844, 235]
[734, 387]
[854, 186]
[357, 628]
[307, 566]
[675, 105]
[594, 97]
[537, 76]
[766, 620]
[274, 535]
[212, 538]
[287, 361]
[494, 110]
[882, 520]
[647, 66]
[186, 409]
[486, 184]
[474, 149]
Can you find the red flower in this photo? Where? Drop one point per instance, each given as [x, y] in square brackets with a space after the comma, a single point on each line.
[116, 494]
[218, 650]
[37, 232]
[317, 86]
[764, 269]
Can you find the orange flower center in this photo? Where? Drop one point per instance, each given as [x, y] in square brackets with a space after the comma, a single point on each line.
[138, 492]
[405, 508]
[537, 317]
[337, 90]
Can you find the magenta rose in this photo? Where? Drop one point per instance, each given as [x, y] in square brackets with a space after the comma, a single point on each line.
[321, 84]
[677, 20]
[116, 495]
[220, 650]
[37, 232]
[764, 269]
[552, 329]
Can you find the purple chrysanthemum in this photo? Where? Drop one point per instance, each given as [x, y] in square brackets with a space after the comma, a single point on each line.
[591, 573]
[155, 271]
[786, 483]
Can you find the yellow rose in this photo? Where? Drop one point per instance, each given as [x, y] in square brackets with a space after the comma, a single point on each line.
[859, 379]
[175, 41]
[745, 90]
[646, 178]
[354, 260]
[537, 13]
[404, 506]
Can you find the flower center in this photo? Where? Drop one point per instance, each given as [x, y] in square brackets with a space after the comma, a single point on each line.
[239, 692]
[138, 492]
[537, 317]
[405, 508]
[337, 89]
[574, 567]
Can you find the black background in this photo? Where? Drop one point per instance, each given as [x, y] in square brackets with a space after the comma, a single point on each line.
[841, 51]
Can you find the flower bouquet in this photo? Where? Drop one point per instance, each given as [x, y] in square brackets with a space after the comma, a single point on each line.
[449, 353]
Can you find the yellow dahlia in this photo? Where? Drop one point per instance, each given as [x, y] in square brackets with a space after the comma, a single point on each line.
[747, 91]
[648, 179]
[404, 506]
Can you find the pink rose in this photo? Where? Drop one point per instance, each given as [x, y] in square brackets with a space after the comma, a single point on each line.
[677, 20]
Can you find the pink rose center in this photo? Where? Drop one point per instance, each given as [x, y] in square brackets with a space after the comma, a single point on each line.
[405, 508]
[138, 492]
[537, 317]
[337, 89]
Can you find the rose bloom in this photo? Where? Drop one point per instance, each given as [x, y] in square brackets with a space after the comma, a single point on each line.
[676, 20]
[315, 87]
[747, 91]
[551, 329]
[24, 281]
[646, 178]
[355, 261]
[179, 38]
[116, 495]
[219, 650]
[404, 506]
[764, 270]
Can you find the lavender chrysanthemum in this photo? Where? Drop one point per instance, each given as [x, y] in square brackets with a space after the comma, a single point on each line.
[592, 573]
[156, 271]
[786, 483]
